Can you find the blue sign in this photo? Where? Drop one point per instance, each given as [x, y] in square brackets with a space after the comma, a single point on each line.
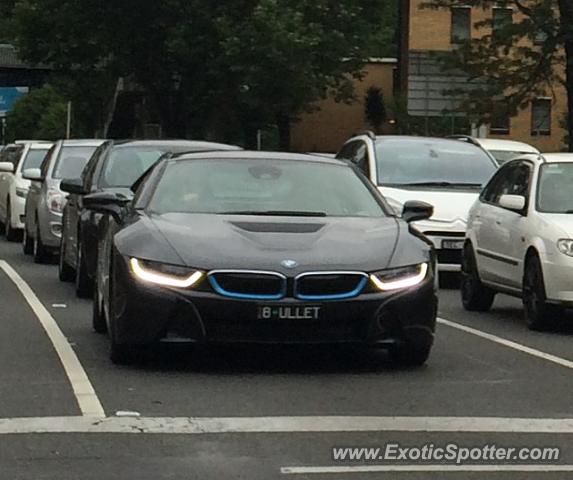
[9, 96]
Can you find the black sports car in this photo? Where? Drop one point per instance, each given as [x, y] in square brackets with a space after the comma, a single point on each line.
[262, 248]
[114, 166]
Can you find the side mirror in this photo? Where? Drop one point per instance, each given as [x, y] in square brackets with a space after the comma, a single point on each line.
[73, 185]
[415, 211]
[107, 203]
[515, 203]
[33, 174]
[7, 167]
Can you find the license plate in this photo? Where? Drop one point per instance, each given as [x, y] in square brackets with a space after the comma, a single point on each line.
[289, 312]
[453, 244]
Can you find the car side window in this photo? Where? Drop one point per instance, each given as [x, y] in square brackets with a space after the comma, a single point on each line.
[89, 171]
[361, 159]
[513, 179]
[14, 155]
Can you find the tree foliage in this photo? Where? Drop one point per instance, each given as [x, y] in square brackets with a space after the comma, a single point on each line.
[210, 66]
[526, 58]
[375, 108]
[41, 114]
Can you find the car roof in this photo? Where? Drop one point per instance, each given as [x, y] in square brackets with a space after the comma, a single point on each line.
[41, 146]
[506, 145]
[411, 138]
[192, 144]
[253, 155]
[83, 142]
[558, 157]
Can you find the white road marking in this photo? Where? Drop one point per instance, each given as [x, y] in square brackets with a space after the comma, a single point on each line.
[226, 425]
[86, 397]
[510, 344]
[427, 469]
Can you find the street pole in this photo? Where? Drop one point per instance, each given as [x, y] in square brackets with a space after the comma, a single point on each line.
[69, 121]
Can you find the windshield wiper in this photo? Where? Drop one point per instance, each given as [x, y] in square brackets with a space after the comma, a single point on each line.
[442, 184]
[278, 213]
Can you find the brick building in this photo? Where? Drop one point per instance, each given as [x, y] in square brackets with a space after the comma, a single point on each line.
[425, 31]
[333, 123]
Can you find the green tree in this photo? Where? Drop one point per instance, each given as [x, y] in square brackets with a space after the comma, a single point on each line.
[41, 115]
[525, 59]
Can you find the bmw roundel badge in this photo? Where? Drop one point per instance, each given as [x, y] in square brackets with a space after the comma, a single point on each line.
[289, 263]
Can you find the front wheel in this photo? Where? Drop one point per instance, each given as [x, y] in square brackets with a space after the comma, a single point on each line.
[40, 252]
[84, 285]
[476, 297]
[410, 355]
[539, 314]
[65, 272]
[11, 233]
[27, 243]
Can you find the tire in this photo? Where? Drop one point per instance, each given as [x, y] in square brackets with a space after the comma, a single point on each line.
[84, 285]
[539, 314]
[39, 251]
[65, 272]
[98, 318]
[409, 355]
[27, 243]
[119, 353]
[11, 233]
[476, 297]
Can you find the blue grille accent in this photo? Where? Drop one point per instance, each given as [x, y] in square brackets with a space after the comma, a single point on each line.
[247, 296]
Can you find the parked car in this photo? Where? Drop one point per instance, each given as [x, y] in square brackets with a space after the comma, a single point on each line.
[502, 150]
[14, 159]
[45, 201]
[448, 174]
[241, 247]
[520, 239]
[114, 167]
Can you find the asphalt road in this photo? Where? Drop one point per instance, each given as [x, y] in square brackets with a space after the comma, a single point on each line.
[266, 413]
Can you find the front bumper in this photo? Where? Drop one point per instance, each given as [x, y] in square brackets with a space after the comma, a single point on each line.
[448, 239]
[18, 206]
[153, 314]
[558, 276]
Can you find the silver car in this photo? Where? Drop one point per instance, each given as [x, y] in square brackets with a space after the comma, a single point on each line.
[45, 202]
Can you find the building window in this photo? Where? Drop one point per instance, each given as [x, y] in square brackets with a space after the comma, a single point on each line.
[541, 116]
[501, 18]
[461, 24]
[500, 119]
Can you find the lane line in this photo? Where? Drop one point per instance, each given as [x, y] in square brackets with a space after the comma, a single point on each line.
[270, 425]
[510, 344]
[427, 469]
[89, 404]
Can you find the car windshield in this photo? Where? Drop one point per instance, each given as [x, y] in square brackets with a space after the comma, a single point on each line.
[428, 162]
[554, 190]
[34, 158]
[263, 187]
[72, 161]
[503, 156]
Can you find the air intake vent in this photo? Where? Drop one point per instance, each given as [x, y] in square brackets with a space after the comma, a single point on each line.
[283, 227]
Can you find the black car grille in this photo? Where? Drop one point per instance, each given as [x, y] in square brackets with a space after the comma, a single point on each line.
[249, 285]
[329, 285]
[451, 256]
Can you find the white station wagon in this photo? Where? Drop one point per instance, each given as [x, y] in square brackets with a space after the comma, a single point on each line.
[520, 239]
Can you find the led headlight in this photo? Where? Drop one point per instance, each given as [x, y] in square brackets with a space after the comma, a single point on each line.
[163, 274]
[399, 278]
[566, 246]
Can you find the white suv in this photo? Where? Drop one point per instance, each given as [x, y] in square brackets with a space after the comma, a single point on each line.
[14, 159]
[447, 174]
[520, 239]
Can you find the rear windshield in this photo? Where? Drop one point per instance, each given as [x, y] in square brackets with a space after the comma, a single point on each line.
[405, 162]
[72, 161]
[34, 158]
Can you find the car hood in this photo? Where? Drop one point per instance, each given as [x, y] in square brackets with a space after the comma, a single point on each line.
[449, 205]
[562, 222]
[254, 242]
